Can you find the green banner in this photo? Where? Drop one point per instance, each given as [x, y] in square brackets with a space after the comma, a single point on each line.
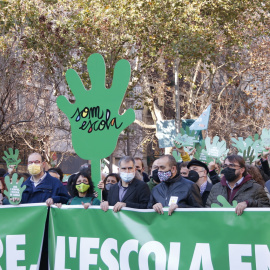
[21, 236]
[133, 239]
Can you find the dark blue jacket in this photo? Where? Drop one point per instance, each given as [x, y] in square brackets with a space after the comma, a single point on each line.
[186, 191]
[50, 187]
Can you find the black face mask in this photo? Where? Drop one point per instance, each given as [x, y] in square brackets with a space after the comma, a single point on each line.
[229, 174]
[155, 176]
[193, 176]
[139, 171]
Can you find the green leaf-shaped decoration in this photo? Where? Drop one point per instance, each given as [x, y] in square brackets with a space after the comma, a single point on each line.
[224, 203]
[15, 191]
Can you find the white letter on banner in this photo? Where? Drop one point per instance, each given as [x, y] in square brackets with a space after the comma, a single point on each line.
[174, 256]
[86, 258]
[160, 255]
[13, 255]
[60, 253]
[202, 255]
[127, 247]
[236, 251]
[262, 256]
[106, 255]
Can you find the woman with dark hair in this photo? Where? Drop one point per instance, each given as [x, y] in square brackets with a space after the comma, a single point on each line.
[255, 173]
[2, 188]
[106, 184]
[83, 190]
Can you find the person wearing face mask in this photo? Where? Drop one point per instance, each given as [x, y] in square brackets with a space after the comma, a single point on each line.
[237, 185]
[198, 174]
[83, 190]
[140, 169]
[41, 186]
[107, 183]
[174, 190]
[129, 192]
[154, 180]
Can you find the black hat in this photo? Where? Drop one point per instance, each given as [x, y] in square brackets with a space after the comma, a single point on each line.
[195, 162]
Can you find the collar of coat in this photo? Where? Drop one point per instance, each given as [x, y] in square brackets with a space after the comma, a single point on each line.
[246, 179]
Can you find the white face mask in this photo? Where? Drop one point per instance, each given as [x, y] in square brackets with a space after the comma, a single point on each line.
[127, 177]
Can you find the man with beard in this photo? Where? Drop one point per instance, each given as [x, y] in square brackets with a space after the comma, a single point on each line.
[237, 185]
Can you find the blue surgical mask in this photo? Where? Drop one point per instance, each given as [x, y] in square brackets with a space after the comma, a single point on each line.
[108, 186]
[127, 177]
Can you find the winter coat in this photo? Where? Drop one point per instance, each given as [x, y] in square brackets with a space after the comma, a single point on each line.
[249, 191]
[137, 195]
[50, 187]
[187, 193]
[206, 193]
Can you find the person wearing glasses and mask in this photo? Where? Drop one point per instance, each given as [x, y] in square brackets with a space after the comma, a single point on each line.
[41, 186]
[237, 185]
[198, 173]
[129, 192]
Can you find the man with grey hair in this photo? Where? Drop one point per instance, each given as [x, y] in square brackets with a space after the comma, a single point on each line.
[129, 192]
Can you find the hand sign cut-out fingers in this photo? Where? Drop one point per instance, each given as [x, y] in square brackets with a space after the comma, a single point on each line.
[15, 190]
[94, 117]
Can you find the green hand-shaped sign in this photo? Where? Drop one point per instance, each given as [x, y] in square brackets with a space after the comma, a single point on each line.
[94, 118]
[191, 133]
[248, 155]
[184, 140]
[242, 145]
[224, 203]
[199, 147]
[265, 137]
[216, 149]
[15, 191]
[176, 155]
[11, 158]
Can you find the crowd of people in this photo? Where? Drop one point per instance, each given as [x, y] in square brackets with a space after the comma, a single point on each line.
[172, 185]
[191, 183]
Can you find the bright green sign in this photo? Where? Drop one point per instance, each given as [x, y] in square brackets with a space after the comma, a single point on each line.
[189, 239]
[15, 190]
[11, 158]
[21, 236]
[94, 117]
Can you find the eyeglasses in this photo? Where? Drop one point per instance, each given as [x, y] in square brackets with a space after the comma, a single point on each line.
[232, 166]
[36, 162]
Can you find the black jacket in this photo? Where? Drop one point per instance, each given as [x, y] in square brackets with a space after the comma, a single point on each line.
[137, 195]
[187, 192]
[214, 177]
[206, 193]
